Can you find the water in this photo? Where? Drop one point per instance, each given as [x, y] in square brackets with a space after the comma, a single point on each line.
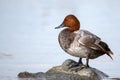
[28, 40]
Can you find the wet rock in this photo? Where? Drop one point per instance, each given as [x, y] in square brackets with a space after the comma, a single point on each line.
[31, 75]
[57, 73]
[66, 72]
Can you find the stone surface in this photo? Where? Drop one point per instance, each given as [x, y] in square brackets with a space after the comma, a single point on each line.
[66, 72]
[31, 75]
[115, 78]
[57, 73]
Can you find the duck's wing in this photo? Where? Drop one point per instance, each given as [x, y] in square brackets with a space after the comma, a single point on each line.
[92, 41]
[88, 39]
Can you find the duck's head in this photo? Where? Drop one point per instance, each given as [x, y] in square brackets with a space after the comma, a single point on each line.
[71, 22]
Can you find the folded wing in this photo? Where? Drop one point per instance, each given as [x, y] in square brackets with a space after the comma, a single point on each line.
[92, 41]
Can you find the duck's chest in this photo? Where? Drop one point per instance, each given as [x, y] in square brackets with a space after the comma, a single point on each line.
[69, 43]
[65, 39]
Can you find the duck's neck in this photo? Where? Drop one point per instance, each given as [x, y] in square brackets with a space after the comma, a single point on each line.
[74, 28]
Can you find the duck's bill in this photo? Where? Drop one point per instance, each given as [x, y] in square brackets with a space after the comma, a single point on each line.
[60, 26]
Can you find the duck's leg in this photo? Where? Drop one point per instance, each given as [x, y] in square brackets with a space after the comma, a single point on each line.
[77, 64]
[80, 61]
[80, 65]
[87, 61]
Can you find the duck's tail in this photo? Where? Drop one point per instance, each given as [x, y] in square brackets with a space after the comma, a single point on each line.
[109, 53]
[106, 49]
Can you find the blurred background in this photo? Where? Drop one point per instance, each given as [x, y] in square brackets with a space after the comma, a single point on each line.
[29, 42]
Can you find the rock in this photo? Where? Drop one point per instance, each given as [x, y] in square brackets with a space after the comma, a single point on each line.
[57, 73]
[67, 64]
[65, 72]
[115, 78]
[31, 75]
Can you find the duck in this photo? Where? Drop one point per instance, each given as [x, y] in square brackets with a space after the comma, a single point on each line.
[81, 43]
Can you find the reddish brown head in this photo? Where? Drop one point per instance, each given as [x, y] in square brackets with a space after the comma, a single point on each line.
[71, 22]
